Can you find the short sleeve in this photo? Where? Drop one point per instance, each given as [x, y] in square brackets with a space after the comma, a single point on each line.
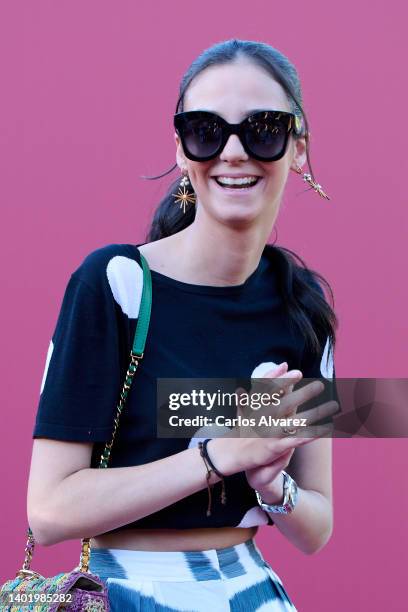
[320, 365]
[80, 384]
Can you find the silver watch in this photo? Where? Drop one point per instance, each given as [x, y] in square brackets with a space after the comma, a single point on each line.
[290, 494]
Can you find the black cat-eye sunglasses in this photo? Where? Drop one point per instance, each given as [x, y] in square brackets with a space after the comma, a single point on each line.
[264, 134]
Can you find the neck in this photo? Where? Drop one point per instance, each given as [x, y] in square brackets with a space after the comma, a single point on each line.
[214, 254]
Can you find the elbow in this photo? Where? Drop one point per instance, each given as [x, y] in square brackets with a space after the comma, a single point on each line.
[313, 546]
[321, 533]
[39, 531]
[46, 531]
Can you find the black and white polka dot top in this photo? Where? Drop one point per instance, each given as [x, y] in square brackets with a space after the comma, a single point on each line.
[195, 331]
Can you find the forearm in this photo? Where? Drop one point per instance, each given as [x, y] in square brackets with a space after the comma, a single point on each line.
[309, 525]
[95, 500]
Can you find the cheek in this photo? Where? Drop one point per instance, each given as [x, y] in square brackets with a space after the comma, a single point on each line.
[276, 173]
[199, 174]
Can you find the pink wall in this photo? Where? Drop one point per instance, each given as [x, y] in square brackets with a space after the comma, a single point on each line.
[88, 92]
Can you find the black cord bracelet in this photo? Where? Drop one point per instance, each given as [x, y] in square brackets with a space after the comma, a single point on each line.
[211, 468]
[210, 463]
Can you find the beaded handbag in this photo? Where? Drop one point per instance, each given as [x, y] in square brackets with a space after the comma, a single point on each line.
[79, 589]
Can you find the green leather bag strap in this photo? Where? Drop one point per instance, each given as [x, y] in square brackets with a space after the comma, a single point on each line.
[144, 311]
[136, 354]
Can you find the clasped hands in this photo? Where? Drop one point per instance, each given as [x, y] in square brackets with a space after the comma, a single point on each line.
[268, 479]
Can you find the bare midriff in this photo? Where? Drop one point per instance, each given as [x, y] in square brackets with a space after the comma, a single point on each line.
[174, 539]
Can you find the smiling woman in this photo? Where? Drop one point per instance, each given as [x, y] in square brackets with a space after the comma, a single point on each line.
[226, 304]
[230, 91]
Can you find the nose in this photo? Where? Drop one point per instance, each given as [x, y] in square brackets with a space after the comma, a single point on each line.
[233, 150]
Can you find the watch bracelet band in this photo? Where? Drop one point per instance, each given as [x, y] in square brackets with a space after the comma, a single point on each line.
[288, 502]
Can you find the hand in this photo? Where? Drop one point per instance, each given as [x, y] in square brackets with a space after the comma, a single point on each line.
[268, 479]
[275, 374]
[232, 455]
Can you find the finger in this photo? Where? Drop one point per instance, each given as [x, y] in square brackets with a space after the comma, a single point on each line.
[288, 442]
[266, 473]
[275, 372]
[311, 432]
[291, 373]
[282, 404]
[290, 388]
[273, 466]
[282, 384]
[320, 412]
[278, 369]
[243, 430]
[277, 388]
[304, 394]
[298, 377]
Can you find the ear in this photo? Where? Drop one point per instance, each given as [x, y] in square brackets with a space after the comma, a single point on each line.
[299, 153]
[180, 157]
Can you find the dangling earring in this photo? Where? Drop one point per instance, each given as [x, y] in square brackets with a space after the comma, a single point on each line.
[308, 178]
[184, 196]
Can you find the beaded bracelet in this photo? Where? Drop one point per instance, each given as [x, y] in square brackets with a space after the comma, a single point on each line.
[211, 468]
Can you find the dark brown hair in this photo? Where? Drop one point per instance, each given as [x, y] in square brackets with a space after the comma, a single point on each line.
[303, 296]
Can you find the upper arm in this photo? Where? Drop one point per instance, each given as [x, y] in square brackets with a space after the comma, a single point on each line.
[51, 462]
[84, 371]
[80, 386]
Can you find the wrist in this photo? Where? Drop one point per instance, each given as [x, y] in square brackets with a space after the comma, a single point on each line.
[212, 470]
[219, 456]
[272, 493]
[290, 495]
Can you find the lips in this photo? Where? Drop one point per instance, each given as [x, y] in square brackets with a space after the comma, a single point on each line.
[237, 181]
[236, 175]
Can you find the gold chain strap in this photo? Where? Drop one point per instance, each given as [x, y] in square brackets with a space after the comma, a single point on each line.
[134, 362]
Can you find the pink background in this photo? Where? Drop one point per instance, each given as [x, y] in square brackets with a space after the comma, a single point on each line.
[88, 92]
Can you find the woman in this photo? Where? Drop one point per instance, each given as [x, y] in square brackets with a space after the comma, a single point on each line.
[225, 304]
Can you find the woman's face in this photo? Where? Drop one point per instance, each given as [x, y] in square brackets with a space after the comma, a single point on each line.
[233, 91]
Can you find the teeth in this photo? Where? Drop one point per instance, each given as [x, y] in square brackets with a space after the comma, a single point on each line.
[228, 180]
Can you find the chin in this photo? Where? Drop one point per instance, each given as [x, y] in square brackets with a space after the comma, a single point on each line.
[242, 215]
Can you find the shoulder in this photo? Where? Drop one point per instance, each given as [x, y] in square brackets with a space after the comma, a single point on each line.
[105, 260]
[114, 271]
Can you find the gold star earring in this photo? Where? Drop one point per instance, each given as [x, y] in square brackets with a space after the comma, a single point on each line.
[308, 178]
[185, 196]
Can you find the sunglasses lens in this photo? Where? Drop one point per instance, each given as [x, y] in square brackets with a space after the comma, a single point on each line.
[202, 136]
[266, 137]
